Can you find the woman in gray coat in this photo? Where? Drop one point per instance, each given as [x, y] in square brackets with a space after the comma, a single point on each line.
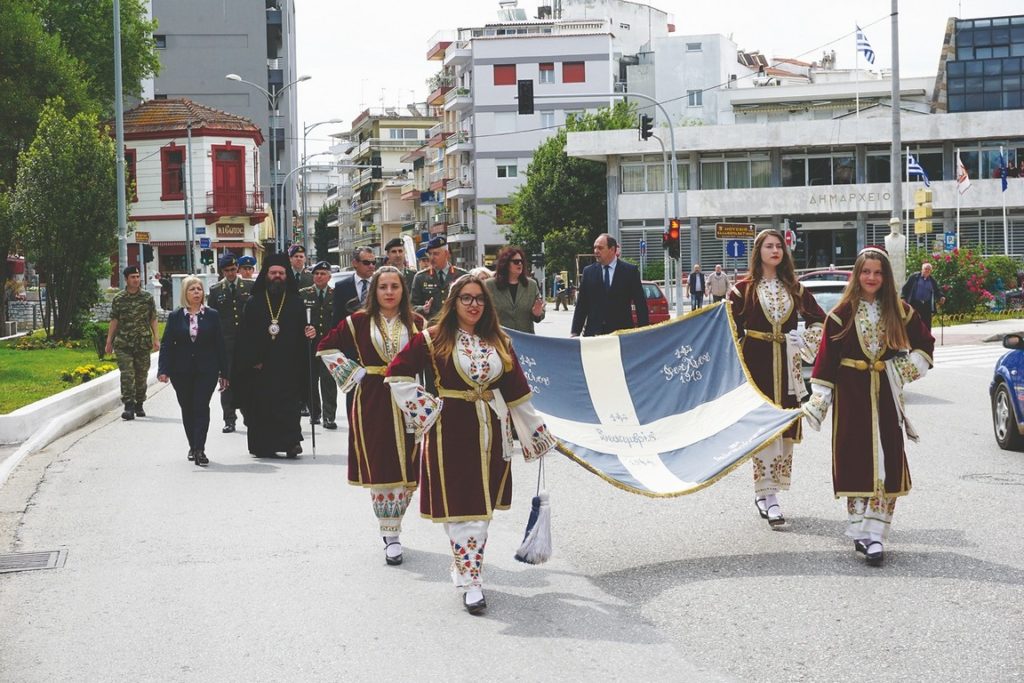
[516, 297]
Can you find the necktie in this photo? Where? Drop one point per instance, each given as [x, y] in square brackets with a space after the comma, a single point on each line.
[232, 290]
[321, 296]
[362, 291]
[607, 277]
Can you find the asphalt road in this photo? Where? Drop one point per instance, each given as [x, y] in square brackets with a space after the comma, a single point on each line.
[271, 569]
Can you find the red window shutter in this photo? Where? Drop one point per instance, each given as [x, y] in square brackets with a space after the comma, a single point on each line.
[504, 74]
[172, 162]
[573, 72]
[547, 66]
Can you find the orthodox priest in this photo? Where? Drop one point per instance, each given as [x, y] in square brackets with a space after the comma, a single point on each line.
[269, 368]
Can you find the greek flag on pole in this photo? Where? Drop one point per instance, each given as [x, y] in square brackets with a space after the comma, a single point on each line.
[914, 168]
[661, 411]
[864, 46]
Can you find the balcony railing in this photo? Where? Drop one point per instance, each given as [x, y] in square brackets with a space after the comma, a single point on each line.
[372, 205]
[234, 203]
[455, 93]
[461, 137]
[438, 175]
[439, 219]
[460, 229]
[459, 183]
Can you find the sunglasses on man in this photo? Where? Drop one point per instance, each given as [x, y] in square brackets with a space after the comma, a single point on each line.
[368, 263]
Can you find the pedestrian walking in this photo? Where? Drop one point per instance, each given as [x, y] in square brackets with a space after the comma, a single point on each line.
[922, 292]
[430, 286]
[467, 427]
[765, 307]
[228, 297]
[382, 455]
[269, 371]
[697, 285]
[718, 284]
[132, 337]
[517, 299]
[319, 299]
[873, 345]
[610, 290]
[194, 358]
[351, 291]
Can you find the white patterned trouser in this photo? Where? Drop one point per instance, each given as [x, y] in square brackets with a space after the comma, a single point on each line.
[869, 518]
[389, 505]
[773, 466]
[468, 540]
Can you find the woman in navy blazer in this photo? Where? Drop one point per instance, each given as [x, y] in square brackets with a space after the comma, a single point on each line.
[193, 357]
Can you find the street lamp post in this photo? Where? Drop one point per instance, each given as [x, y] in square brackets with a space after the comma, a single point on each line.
[305, 178]
[272, 98]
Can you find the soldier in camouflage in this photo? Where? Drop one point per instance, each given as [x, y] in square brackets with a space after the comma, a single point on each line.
[132, 337]
[318, 300]
[228, 297]
[430, 286]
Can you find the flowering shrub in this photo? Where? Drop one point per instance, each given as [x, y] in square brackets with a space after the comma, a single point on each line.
[35, 342]
[84, 373]
[961, 275]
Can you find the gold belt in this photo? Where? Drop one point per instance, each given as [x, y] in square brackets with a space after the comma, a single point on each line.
[375, 369]
[471, 395]
[766, 336]
[875, 366]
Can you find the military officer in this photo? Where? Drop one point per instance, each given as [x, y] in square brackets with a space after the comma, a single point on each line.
[297, 256]
[319, 300]
[247, 268]
[430, 286]
[395, 252]
[132, 337]
[228, 297]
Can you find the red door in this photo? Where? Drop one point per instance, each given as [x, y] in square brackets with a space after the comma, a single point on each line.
[228, 180]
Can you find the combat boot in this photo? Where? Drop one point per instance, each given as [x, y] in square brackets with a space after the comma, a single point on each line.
[129, 412]
[139, 412]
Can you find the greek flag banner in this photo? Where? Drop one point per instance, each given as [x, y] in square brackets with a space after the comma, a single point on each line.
[662, 411]
[864, 46]
[914, 168]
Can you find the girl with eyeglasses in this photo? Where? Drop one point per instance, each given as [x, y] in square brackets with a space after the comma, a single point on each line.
[517, 298]
[382, 454]
[466, 429]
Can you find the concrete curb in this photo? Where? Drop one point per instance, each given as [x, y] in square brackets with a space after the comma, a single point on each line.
[42, 422]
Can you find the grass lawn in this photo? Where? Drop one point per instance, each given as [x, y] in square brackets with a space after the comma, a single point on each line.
[28, 376]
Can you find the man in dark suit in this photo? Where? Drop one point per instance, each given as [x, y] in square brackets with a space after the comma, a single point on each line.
[229, 297]
[606, 291]
[697, 285]
[351, 290]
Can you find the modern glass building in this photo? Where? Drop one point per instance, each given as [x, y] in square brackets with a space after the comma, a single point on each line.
[988, 72]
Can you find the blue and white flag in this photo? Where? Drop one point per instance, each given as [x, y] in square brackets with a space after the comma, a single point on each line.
[864, 46]
[661, 411]
[914, 168]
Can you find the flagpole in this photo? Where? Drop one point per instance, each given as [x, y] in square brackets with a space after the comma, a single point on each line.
[957, 174]
[906, 209]
[856, 72]
[1002, 192]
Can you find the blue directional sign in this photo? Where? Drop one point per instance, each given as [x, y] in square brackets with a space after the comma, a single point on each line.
[200, 230]
[204, 242]
[950, 241]
[736, 248]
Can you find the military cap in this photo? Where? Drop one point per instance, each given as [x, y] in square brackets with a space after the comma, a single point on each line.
[130, 270]
[421, 253]
[396, 242]
[226, 261]
[296, 249]
[247, 261]
[322, 265]
[437, 242]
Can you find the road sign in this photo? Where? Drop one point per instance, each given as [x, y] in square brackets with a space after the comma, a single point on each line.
[141, 237]
[204, 242]
[736, 248]
[790, 238]
[732, 231]
[949, 241]
[200, 230]
[643, 247]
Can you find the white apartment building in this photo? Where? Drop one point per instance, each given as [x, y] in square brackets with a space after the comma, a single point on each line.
[483, 148]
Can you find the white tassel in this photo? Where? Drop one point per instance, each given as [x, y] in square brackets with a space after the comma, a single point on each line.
[536, 546]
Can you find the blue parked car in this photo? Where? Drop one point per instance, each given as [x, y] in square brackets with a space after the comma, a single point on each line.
[1007, 392]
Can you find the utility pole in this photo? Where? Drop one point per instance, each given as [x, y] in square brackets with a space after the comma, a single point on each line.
[122, 217]
[895, 151]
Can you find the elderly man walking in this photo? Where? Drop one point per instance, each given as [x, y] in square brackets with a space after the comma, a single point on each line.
[923, 294]
[718, 284]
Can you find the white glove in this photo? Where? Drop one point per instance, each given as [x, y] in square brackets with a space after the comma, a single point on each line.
[796, 339]
[814, 411]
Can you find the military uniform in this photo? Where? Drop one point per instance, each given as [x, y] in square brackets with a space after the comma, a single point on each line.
[229, 299]
[303, 279]
[133, 342]
[320, 308]
[433, 284]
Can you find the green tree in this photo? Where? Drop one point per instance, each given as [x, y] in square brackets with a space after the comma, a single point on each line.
[565, 197]
[68, 239]
[322, 235]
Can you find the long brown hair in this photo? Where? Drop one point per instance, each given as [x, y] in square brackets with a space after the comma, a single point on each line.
[894, 333]
[503, 263]
[446, 327]
[372, 306]
[785, 271]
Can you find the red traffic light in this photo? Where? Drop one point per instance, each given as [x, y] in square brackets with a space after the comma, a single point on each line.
[673, 228]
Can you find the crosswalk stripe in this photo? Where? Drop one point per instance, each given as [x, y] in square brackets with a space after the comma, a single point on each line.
[969, 356]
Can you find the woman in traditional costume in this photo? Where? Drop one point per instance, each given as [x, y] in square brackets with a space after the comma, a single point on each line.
[765, 307]
[382, 454]
[466, 472]
[873, 345]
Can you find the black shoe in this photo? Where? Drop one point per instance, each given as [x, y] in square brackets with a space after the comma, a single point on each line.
[874, 554]
[139, 412]
[294, 451]
[304, 411]
[392, 560]
[475, 607]
[314, 421]
[191, 454]
[201, 458]
[129, 413]
[330, 424]
[860, 546]
[228, 428]
[762, 507]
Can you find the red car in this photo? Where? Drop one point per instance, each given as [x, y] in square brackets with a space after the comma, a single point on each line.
[657, 304]
[831, 274]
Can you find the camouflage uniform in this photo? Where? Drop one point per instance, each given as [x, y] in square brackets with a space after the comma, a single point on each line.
[321, 314]
[133, 342]
[431, 284]
[229, 304]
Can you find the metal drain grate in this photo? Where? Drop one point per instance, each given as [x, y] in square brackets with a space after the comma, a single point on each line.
[21, 562]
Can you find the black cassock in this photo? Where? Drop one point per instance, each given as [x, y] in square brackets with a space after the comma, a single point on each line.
[269, 397]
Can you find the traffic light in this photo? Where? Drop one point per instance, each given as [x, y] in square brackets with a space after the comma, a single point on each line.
[206, 257]
[525, 99]
[147, 253]
[670, 239]
[922, 212]
[646, 126]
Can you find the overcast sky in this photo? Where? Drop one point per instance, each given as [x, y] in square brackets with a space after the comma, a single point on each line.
[362, 53]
